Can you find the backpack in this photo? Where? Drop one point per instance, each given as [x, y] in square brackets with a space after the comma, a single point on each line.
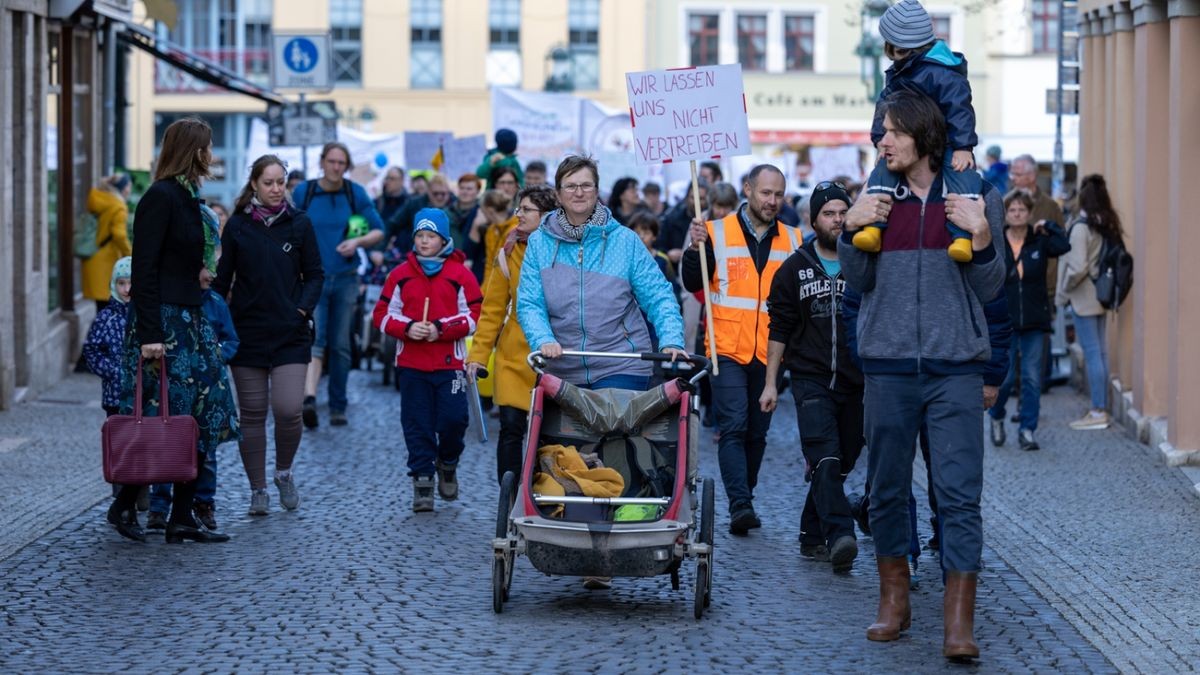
[86, 230]
[1116, 274]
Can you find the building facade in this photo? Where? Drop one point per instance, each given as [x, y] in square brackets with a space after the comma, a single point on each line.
[55, 116]
[1140, 100]
[400, 65]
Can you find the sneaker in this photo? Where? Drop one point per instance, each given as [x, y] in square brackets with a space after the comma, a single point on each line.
[289, 498]
[206, 514]
[843, 553]
[858, 509]
[1094, 420]
[998, 434]
[447, 481]
[742, 520]
[309, 414]
[156, 521]
[1025, 437]
[259, 502]
[597, 583]
[337, 418]
[422, 494]
[815, 552]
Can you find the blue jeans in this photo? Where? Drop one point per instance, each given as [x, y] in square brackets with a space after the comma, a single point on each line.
[966, 183]
[433, 414]
[743, 426]
[206, 486]
[1029, 350]
[630, 382]
[1089, 330]
[896, 406]
[333, 315]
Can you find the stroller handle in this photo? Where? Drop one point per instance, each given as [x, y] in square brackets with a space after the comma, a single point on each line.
[698, 363]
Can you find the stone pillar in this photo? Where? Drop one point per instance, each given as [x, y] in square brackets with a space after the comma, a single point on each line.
[1149, 224]
[1120, 181]
[1183, 297]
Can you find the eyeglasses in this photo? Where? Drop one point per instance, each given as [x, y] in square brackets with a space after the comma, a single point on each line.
[579, 187]
[522, 210]
[827, 184]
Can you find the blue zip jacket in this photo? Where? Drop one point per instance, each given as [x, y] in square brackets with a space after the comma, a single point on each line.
[217, 313]
[104, 350]
[999, 323]
[590, 295]
[941, 75]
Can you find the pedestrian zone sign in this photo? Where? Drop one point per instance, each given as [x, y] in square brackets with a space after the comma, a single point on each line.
[301, 61]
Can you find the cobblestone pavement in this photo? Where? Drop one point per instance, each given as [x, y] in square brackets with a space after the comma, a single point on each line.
[1089, 541]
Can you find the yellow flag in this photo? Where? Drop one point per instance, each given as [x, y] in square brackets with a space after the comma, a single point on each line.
[439, 158]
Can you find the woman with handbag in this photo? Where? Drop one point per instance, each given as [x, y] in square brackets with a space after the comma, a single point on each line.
[1096, 223]
[173, 248]
[271, 265]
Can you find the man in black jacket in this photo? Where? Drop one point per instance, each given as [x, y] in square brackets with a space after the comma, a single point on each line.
[807, 333]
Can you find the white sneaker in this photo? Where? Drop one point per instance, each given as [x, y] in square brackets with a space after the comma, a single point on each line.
[1094, 420]
[289, 498]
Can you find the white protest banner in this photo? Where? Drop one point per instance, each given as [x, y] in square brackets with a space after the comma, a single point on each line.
[421, 146]
[686, 114]
[463, 155]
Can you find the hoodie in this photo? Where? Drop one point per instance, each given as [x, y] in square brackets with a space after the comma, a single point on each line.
[589, 295]
[941, 75]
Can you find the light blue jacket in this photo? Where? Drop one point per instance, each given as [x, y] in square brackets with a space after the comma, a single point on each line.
[590, 295]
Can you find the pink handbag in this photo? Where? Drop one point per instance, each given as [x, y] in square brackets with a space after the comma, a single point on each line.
[143, 450]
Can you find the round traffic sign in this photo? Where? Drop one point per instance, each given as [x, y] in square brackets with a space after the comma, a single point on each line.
[300, 54]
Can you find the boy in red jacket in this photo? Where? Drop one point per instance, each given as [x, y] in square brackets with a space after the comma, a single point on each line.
[430, 304]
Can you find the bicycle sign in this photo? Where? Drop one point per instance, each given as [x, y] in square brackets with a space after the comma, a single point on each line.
[301, 61]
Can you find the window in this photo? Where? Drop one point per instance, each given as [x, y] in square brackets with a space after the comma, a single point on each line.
[234, 34]
[799, 31]
[345, 30]
[504, 56]
[703, 38]
[941, 27]
[583, 26]
[1045, 26]
[752, 41]
[426, 62]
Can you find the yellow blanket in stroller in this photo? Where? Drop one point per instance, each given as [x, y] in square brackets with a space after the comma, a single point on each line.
[563, 471]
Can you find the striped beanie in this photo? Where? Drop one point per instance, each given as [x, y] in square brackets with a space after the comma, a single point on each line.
[907, 25]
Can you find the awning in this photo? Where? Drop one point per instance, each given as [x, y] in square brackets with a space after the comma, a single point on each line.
[194, 65]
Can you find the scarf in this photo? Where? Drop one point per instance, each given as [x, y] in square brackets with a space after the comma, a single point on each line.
[599, 218]
[515, 236]
[212, 225]
[265, 214]
[433, 264]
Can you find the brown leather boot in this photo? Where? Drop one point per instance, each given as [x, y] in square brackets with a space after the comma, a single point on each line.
[958, 605]
[895, 614]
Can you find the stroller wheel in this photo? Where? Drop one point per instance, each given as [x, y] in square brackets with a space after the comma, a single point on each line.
[708, 510]
[701, 589]
[498, 585]
[675, 580]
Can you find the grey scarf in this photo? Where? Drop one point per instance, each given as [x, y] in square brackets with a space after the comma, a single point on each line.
[599, 218]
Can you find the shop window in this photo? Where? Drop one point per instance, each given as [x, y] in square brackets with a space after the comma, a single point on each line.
[503, 64]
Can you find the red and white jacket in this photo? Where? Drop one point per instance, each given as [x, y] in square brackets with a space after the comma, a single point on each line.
[454, 303]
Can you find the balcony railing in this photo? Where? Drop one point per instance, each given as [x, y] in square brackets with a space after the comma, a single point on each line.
[254, 64]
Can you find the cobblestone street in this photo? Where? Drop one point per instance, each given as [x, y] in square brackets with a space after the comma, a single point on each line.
[1091, 545]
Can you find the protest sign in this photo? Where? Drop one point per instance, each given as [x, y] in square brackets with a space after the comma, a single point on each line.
[686, 114]
[421, 146]
[463, 155]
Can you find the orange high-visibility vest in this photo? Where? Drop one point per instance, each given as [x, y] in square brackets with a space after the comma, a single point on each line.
[737, 293]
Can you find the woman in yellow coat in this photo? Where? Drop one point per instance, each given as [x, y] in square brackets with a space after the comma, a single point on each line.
[498, 329]
[106, 202]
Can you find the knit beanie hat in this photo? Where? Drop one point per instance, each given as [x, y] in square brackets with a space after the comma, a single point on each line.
[907, 25]
[506, 141]
[123, 269]
[818, 198]
[434, 220]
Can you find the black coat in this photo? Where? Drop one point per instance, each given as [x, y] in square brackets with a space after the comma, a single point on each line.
[270, 273]
[168, 254]
[1028, 302]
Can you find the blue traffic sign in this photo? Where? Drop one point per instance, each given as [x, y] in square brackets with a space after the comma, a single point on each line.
[301, 55]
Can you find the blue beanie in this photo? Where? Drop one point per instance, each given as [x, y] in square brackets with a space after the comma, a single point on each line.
[907, 25]
[506, 141]
[434, 220]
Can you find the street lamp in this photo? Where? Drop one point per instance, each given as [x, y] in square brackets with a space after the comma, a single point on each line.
[559, 62]
[870, 47]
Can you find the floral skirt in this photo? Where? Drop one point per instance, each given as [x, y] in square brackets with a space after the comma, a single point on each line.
[197, 380]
